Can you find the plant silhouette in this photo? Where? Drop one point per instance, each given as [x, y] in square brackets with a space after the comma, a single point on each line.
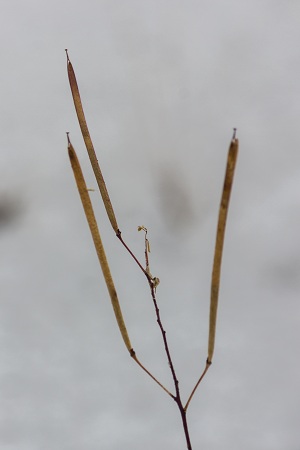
[152, 281]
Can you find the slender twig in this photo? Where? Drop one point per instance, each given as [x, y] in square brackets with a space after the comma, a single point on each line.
[133, 355]
[207, 366]
[185, 426]
[177, 397]
[164, 336]
[119, 236]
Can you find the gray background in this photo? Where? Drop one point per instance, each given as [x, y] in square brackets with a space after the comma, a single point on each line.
[163, 84]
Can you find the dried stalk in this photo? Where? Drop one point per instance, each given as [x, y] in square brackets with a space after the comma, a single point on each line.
[152, 281]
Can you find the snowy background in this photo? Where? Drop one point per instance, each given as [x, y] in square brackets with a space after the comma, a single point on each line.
[163, 84]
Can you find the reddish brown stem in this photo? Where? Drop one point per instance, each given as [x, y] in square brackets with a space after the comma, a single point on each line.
[208, 364]
[119, 236]
[177, 397]
[185, 426]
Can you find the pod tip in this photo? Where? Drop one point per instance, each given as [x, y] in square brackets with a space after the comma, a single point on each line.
[68, 59]
[234, 134]
[67, 133]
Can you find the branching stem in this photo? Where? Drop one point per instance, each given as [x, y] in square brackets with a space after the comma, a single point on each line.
[177, 397]
[119, 236]
[152, 281]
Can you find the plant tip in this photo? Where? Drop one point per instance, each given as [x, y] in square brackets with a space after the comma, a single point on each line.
[68, 59]
[67, 133]
[234, 133]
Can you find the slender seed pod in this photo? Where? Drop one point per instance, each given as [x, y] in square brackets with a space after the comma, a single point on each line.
[89, 145]
[89, 213]
[216, 271]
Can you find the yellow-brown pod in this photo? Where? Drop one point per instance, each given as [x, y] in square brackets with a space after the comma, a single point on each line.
[89, 145]
[216, 272]
[89, 212]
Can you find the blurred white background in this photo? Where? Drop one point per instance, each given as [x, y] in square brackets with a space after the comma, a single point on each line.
[163, 84]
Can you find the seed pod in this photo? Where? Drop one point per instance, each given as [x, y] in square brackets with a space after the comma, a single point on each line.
[89, 213]
[216, 272]
[89, 145]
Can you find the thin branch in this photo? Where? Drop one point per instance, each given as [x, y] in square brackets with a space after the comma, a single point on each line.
[133, 355]
[208, 364]
[153, 284]
[185, 427]
[119, 236]
[164, 336]
[177, 398]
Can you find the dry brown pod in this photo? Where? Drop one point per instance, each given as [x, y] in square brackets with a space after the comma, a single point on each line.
[89, 212]
[216, 271]
[89, 145]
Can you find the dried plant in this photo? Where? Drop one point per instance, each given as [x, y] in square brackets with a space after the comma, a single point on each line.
[152, 281]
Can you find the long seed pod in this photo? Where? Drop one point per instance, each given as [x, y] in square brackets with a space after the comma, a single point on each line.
[89, 212]
[89, 145]
[216, 272]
